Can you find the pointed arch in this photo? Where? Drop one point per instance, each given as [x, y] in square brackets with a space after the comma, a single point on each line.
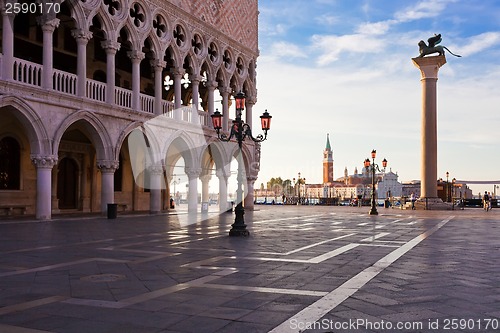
[31, 121]
[94, 127]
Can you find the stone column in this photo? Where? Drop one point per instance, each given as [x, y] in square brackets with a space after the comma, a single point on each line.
[249, 199]
[48, 28]
[223, 177]
[7, 46]
[225, 107]
[429, 67]
[155, 172]
[158, 66]
[108, 169]
[111, 47]
[195, 84]
[250, 102]
[136, 58]
[82, 38]
[205, 195]
[211, 85]
[44, 165]
[193, 174]
[178, 73]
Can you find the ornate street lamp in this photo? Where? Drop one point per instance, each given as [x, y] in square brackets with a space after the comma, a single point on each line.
[372, 167]
[240, 130]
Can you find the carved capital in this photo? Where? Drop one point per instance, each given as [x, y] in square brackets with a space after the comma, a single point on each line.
[46, 162]
[221, 173]
[195, 78]
[178, 72]
[192, 173]
[107, 166]
[225, 90]
[158, 64]
[136, 56]
[48, 25]
[155, 169]
[82, 36]
[211, 84]
[110, 46]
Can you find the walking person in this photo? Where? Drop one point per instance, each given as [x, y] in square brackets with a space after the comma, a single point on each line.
[413, 198]
[486, 201]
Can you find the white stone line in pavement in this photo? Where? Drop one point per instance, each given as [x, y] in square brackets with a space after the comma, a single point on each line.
[318, 243]
[266, 290]
[374, 237]
[327, 303]
[289, 218]
[31, 304]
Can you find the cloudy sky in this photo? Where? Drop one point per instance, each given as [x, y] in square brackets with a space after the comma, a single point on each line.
[344, 68]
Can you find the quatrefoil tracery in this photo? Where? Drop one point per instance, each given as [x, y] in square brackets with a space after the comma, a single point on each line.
[113, 6]
[226, 58]
[179, 35]
[197, 44]
[159, 26]
[137, 14]
[213, 52]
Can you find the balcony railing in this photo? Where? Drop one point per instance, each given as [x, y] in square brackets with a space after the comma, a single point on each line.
[31, 73]
[27, 72]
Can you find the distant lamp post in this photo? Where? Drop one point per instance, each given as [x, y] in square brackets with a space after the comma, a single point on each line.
[447, 186]
[372, 167]
[240, 130]
[297, 185]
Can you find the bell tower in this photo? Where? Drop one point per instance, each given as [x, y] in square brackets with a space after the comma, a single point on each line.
[328, 162]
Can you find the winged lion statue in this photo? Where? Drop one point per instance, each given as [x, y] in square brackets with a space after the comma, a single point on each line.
[433, 47]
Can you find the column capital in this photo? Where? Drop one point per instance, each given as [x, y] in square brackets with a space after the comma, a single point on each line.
[251, 179]
[48, 25]
[429, 66]
[206, 178]
[221, 173]
[251, 100]
[225, 90]
[107, 166]
[136, 56]
[44, 161]
[178, 71]
[158, 64]
[81, 36]
[211, 84]
[192, 172]
[110, 46]
[195, 77]
[156, 169]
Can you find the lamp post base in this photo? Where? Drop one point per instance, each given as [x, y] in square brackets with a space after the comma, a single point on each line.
[239, 228]
[239, 232]
[373, 211]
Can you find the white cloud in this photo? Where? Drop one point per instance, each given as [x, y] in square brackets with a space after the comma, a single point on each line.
[332, 46]
[328, 19]
[422, 10]
[376, 28]
[286, 50]
[481, 42]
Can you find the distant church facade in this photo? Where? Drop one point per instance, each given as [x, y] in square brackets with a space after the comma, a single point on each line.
[77, 80]
[351, 186]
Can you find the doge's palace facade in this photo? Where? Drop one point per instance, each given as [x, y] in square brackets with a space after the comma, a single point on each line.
[77, 77]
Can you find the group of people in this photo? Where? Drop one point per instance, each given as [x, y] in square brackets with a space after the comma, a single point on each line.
[487, 201]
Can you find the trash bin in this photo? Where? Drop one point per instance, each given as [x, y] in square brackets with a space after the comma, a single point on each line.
[386, 203]
[112, 210]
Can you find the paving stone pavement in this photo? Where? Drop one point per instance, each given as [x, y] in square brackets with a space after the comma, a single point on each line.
[304, 268]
